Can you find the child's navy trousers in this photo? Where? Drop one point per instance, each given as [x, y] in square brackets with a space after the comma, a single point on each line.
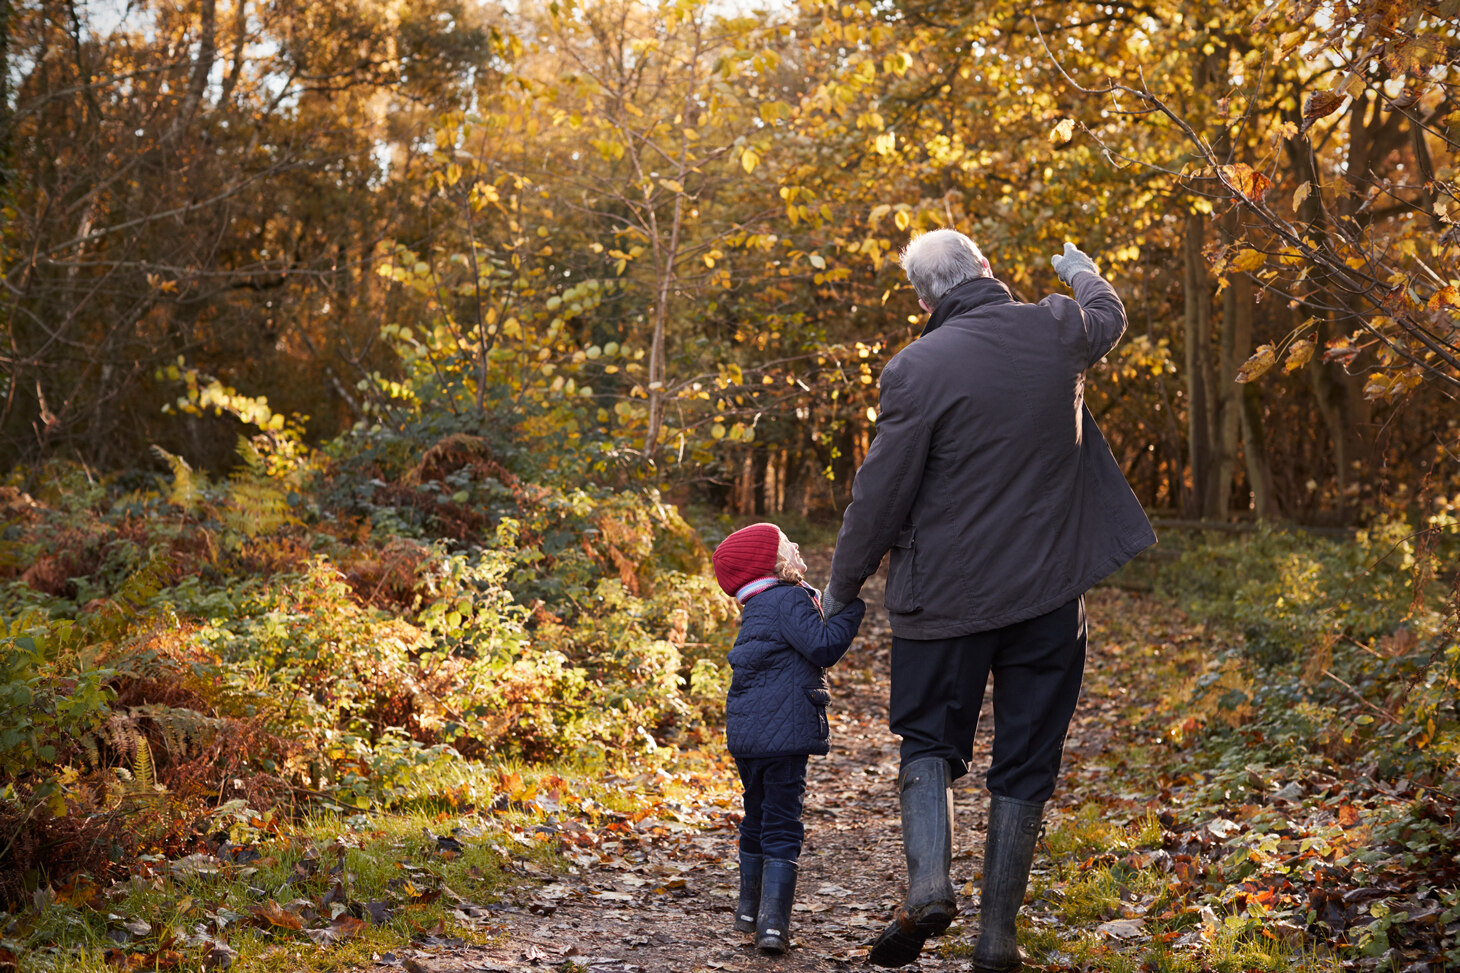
[775, 788]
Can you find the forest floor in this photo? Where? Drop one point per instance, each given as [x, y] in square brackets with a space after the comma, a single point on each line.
[1210, 816]
[665, 903]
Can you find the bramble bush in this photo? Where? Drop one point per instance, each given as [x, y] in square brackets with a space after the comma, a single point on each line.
[1342, 663]
[1336, 638]
[350, 627]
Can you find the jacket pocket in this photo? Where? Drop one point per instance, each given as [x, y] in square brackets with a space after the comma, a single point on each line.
[902, 595]
[819, 700]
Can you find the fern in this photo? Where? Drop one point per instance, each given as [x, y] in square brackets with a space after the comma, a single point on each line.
[143, 773]
[187, 485]
[257, 503]
[134, 602]
[182, 732]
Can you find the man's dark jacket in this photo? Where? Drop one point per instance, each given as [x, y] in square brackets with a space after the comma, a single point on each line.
[776, 706]
[988, 478]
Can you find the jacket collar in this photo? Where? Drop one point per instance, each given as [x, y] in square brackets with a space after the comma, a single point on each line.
[967, 296]
[755, 587]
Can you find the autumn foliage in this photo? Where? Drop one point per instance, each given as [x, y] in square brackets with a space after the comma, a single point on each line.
[366, 363]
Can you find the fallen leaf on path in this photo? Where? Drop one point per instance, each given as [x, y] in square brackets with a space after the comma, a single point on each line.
[1122, 928]
[272, 914]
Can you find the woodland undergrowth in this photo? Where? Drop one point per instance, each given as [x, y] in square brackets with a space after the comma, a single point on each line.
[346, 697]
[1283, 788]
[393, 625]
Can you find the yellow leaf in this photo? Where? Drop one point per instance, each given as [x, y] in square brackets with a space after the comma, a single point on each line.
[1298, 355]
[818, 261]
[902, 219]
[1248, 260]
[878, 211]
[749, 160]
[1062, 132]
[1262, 359]
[1301, 193]
[673, 185]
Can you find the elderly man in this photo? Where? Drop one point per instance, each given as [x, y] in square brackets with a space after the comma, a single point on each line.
[1001, 504]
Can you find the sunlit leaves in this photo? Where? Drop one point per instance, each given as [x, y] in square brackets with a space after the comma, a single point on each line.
[1243, 179]
[1262, 359]
[1248, 261]
[1299, 352]
[1446, 297]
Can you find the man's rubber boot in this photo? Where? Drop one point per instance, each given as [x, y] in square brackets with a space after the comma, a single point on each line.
[749, 893]
[1008, 854]
[927, 839]
[773, 920]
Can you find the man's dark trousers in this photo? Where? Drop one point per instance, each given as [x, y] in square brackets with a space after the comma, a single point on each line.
[775, 789]
[1037, 665]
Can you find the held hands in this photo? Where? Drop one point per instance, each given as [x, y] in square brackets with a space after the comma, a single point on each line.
[830, 606]
[1073, 261]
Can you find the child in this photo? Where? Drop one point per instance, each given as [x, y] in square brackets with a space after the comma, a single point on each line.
[775, 713]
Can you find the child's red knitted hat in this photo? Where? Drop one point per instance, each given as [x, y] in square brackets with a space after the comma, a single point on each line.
[746, 555]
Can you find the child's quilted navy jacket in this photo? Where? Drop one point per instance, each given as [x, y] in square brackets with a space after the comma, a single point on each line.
[777, 701]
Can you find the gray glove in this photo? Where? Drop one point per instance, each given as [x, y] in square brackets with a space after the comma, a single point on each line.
[830, 606]
[1073, 261]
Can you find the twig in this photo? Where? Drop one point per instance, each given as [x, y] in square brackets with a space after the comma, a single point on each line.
[1360, 697]
[1368, 649]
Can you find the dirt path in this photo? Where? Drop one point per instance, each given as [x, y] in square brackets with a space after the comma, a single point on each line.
[664, 905]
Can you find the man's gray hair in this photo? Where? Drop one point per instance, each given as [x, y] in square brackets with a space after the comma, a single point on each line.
[940, 260]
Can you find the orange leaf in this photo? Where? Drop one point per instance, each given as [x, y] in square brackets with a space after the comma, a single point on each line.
[1348, 816]
[1447, 296]
[1245, 180]
[1340, 350]
[272, 914]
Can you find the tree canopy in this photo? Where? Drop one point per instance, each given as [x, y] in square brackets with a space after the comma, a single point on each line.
[673, 227]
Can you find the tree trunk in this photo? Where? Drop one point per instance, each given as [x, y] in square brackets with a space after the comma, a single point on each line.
[4, 94]
[760, 460]
[1254, 448]
[1198, 323]
[1236, 336]
[202, 68]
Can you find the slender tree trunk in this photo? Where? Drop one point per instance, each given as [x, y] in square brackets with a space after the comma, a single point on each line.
[1254, 448]
[1198, 322]
[1340, 402]
[1227, 422]
[202, 68]
[5, 115]
[1329, 396]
